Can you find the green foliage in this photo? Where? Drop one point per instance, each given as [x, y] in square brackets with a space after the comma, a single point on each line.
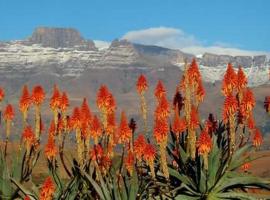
[222, 180]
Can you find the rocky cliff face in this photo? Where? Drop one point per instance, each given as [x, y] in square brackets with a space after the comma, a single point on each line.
[214, 60]
[64, 53]
[60, 38]
[260, 60]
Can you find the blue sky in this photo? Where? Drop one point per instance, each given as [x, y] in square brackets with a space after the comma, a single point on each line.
[241, 24]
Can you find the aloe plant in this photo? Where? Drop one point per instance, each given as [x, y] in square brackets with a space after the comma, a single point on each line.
[222, 180]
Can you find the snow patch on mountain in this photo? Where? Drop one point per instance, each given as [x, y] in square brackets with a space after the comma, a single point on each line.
[256, 75]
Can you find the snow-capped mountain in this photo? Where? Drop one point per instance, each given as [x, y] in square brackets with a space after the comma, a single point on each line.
[78, 66]
[65, 53]
[256, 75]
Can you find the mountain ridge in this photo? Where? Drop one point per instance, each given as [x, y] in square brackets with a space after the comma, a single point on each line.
[80, 71]
[71, 38]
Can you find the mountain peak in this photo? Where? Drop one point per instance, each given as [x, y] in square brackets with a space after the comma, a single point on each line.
[60, 38]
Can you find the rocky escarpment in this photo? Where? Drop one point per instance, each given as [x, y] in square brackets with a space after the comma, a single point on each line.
[60, 52]
[60, 38]
[213, 60]
[46, 51]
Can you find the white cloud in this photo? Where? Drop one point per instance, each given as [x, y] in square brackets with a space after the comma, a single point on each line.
[161, 36]
[177, 39]
[102, 44]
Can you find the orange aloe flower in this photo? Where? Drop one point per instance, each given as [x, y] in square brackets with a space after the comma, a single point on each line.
[149, 152]
[149, 157]
[86, 115]
[96, 153]
[139, 146]
[142, 84]
[204, 143]
[85, 132]
[242, 115]
[183, 83]
[163, 109]
[103, 97]
[161, 129]
[160, 90]
[9, 113]
[55, 99]
[111, 104]
[193, 72]
[245, 167]
[111, 126]
[179, 125]
[60, 125]
[200, 93]
[64, 102]
[105, 162]
[76, 118]
[25, 100]
[257, 139]
[47, 190]
[230, 81]
[267, 104]
[28, 137]
[52, 129]
[129, 162]
[95, 129]
[124, 132]
[229, 107]
[241, 79]
[50, 149]
[38, 95]
[248, 101]
[251, 123]
[2, 94]
[194, 118]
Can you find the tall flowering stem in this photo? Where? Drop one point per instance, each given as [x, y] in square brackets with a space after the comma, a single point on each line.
[142, 86]
[193, 125]
[139, 147]
[28, 138]
[8, 117]
[149, 156]
[86, 118]
[64, 104]
[229, 110]
[51, 149]
[55, 104]
[77, 125]
[161, 126]
[124, 132]
[105, 102]
[229, 84]
[191, 86]
[95, 129]
[129, 162]
[204, 145]
[38, 96]
[107, 106]
[24, 104]
[2, 95]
